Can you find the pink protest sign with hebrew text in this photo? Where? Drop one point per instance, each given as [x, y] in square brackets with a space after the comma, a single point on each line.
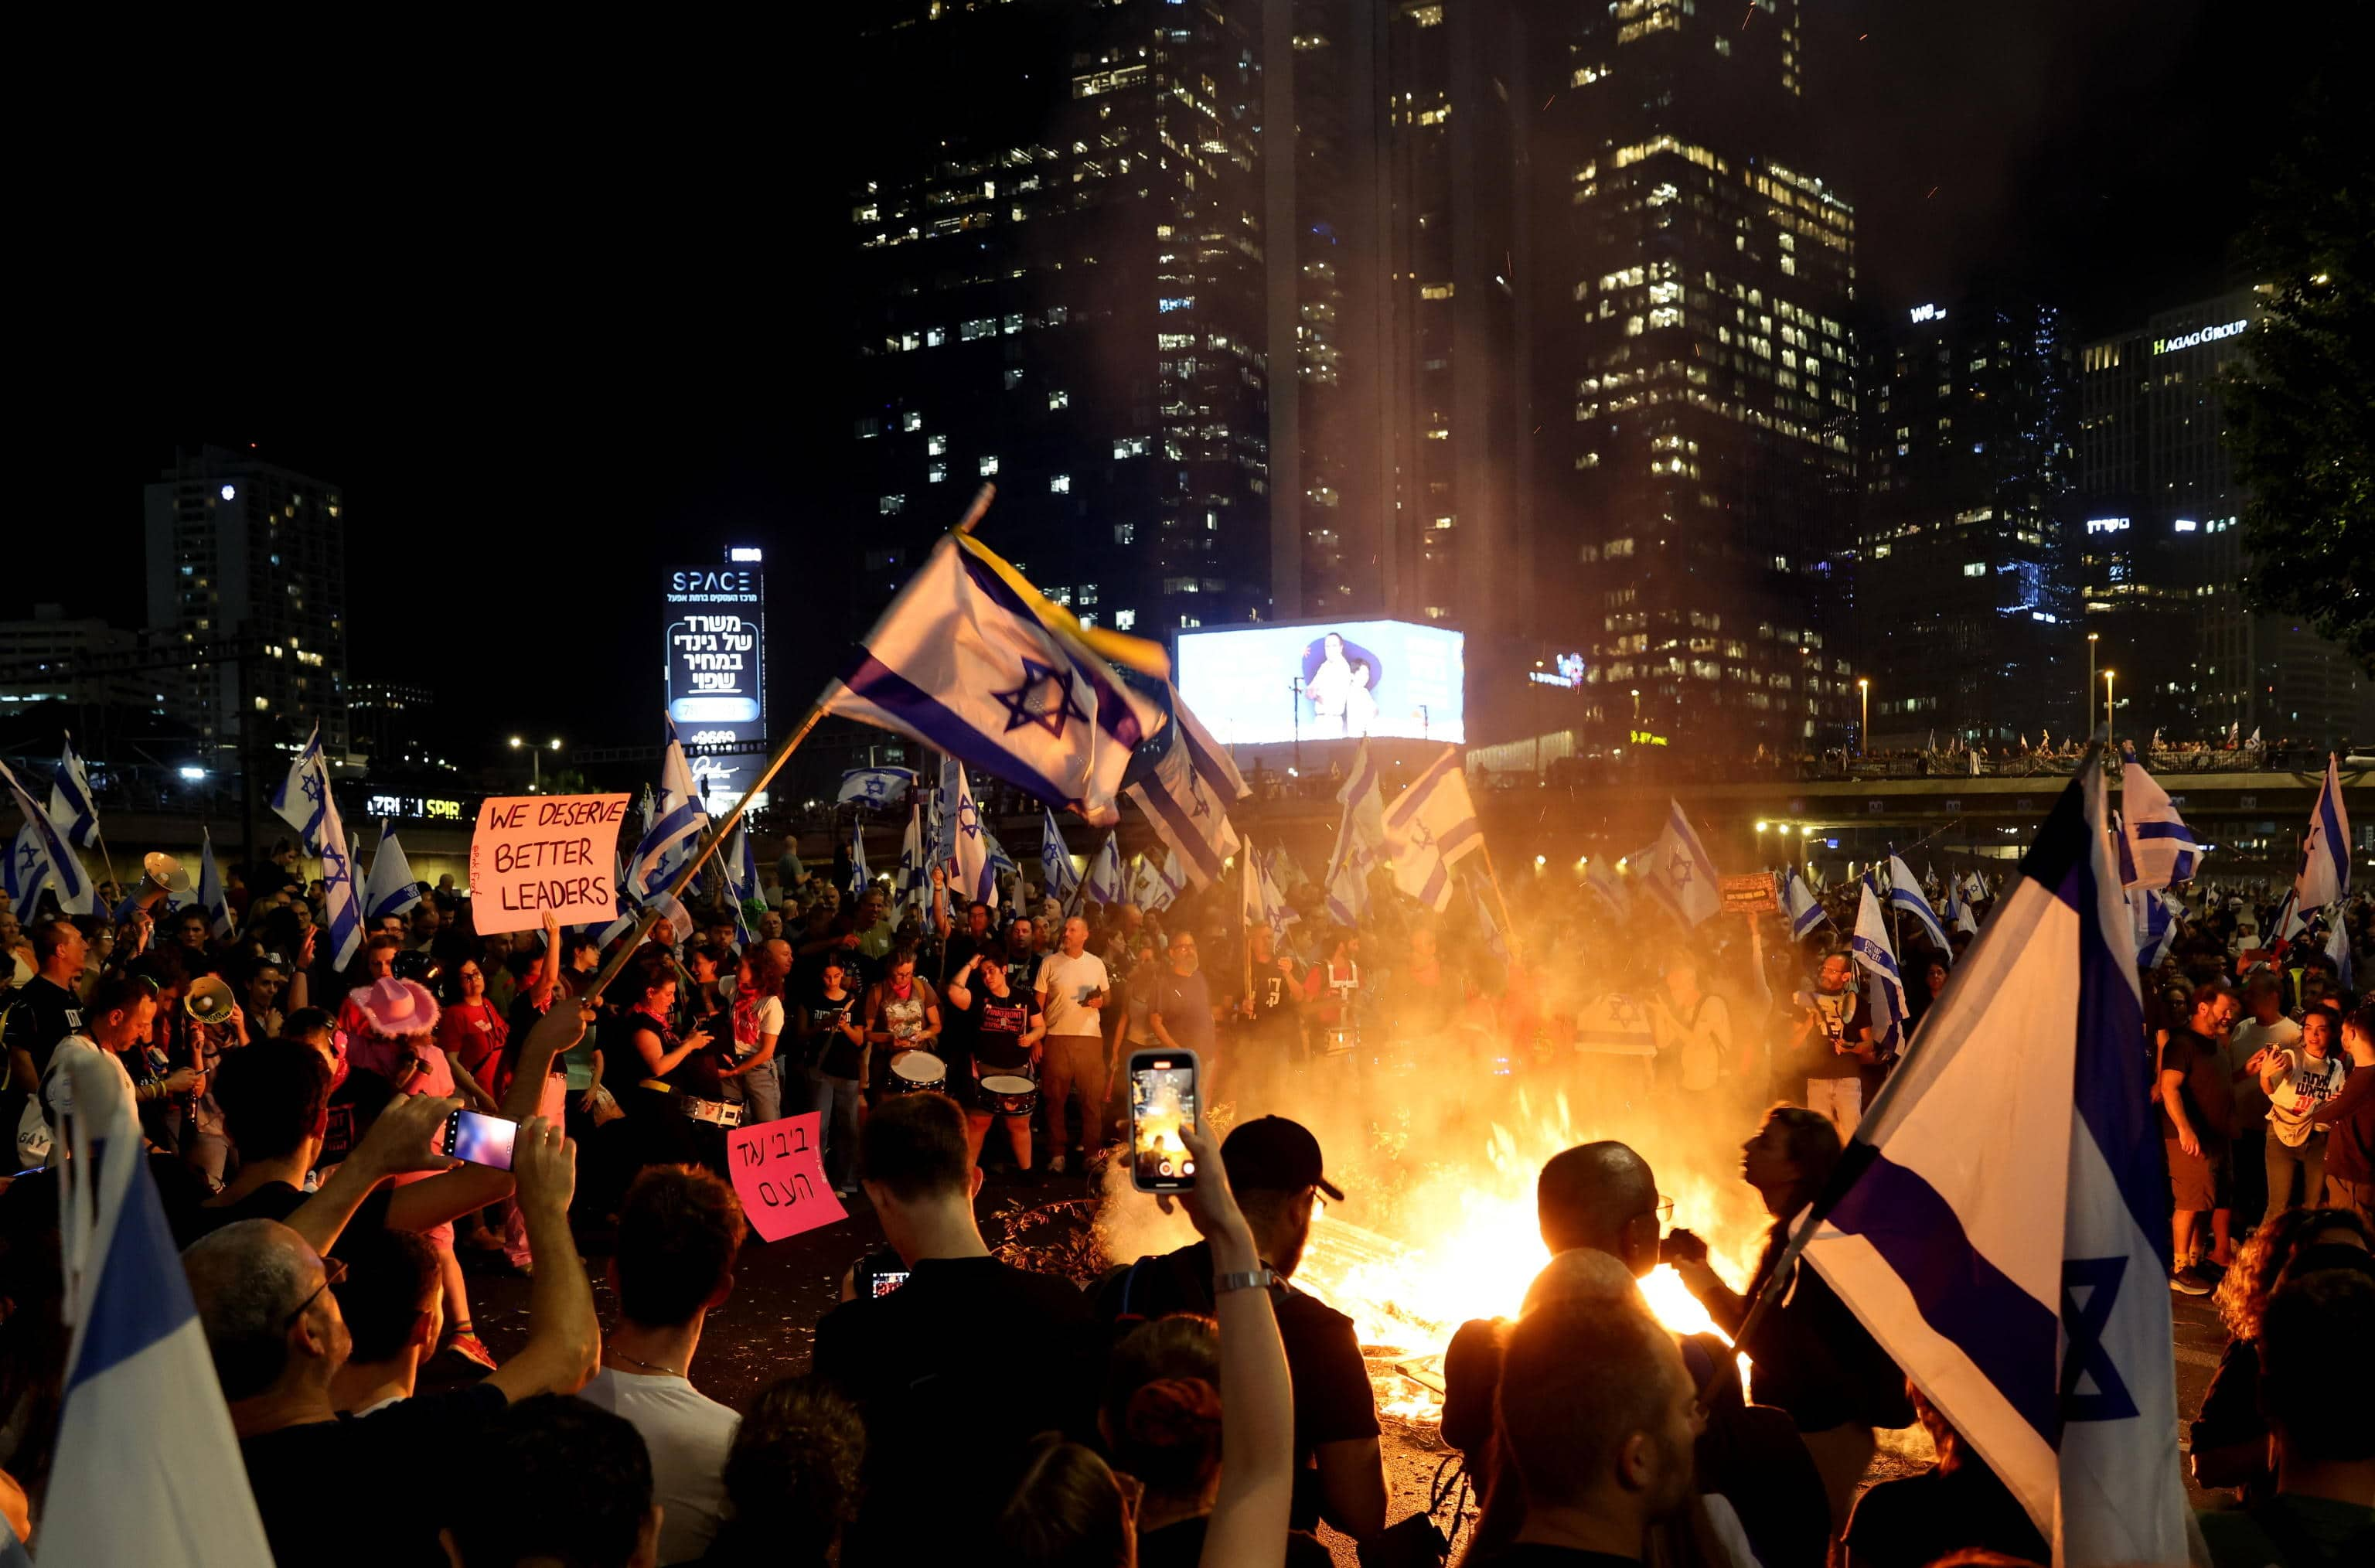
[778, 1170]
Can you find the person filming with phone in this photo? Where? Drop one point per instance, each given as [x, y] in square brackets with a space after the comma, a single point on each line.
[1275, 1169]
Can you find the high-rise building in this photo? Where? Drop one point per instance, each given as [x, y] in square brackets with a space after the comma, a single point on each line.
[1693, 373]
[1966, 609]
[2162, 559]
[1061, 229]
[391, 721]
[49, 659]
[238, 547]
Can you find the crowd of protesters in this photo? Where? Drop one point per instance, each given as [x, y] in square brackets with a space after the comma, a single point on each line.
[1188, 1408]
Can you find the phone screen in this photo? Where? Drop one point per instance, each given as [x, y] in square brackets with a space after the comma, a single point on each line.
[480, 1139]
[1161, 1097]
[883, 1284]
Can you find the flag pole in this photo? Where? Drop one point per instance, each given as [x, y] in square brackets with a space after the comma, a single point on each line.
[721, 831]
[1245, 920]
[1517, 953]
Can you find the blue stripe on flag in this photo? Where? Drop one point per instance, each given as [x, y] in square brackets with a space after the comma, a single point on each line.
[140, 1295]
[2008, 1333]
[878, 683]
[1185, 837]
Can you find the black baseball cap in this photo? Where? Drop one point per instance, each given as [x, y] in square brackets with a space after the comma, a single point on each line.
[1272, 1154]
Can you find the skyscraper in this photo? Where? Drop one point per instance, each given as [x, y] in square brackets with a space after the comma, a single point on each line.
[1060, 221]
[240, 546]
[1692, 370]
[1968, 615]
[2163, 562]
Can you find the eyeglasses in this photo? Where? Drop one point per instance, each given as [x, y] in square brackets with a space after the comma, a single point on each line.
[332, 1271]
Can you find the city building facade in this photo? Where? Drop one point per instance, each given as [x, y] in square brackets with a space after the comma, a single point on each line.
[2161, 559]
[1693, 373]
[241, 548]
[1967, 610]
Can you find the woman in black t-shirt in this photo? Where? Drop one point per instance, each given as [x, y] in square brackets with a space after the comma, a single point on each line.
[1006, 1028]
[651, 1074]
[833, 1051]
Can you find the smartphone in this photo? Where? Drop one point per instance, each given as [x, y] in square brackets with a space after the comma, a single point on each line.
[879, 1273]
[1162, 1099]
[481, 1139]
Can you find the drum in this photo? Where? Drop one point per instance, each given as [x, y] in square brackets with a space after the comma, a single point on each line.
[717, 1113]
[1339, 1042]
[1009, 1094]
[918, 1072]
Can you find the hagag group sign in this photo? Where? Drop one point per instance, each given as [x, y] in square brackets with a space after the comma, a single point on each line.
[535, 852]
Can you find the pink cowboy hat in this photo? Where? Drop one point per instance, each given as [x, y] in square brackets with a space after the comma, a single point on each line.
[395, 1007]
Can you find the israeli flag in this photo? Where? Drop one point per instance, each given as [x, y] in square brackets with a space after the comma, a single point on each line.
[2155, 915]
[1360, 841]
[1884, 985]
[72, 807]
[741, 863]
[1056, 858]
[1601, 880]
[1805, 912]
[1973, 889]
[1496, 944]
[674, 829]
[1105, 883]
[211, 897]
[875, 787]
[2000, 1222]
[26, 869]
[974, 660]
[390, 889]
[2324, 876]
[915, 877]
[303, 795]
[146, 1467]
[970, 846]
[857, 876]
[1276, 912]
[2156, 846]
[1430, 828]
[1170, 881]
[1188, 809]
[52, 859]
[342, 906]
[1905, 895]
[2338, 948]
[1678, 873]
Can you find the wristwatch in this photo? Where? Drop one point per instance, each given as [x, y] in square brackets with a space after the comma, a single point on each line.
[1249, 1279]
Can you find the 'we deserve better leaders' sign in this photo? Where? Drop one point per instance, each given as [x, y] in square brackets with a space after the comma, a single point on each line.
[534, 853]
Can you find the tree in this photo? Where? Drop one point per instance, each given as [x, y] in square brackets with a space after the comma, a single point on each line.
[2300, 410]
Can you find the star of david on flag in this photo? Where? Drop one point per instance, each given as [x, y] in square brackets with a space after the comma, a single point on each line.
[972, 659]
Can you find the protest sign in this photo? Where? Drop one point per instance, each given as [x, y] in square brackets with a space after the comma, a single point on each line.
[778, 1170]
[1750, 895]
[534, 853]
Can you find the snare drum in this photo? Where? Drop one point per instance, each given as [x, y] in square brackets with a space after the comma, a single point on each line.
[918, 1072]
[1009, 1094]
[717, 1113]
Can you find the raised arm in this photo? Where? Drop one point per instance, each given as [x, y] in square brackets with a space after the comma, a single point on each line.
[564, 1337]
[402, 1140]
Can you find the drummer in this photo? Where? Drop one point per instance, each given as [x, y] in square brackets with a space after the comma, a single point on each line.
[903, 1014]
[1007, 1028]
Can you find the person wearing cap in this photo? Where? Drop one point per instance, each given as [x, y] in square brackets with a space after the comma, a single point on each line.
[1275, 1169]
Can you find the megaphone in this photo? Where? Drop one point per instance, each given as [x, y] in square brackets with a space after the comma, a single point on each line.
[208, 1000]
[160, 875]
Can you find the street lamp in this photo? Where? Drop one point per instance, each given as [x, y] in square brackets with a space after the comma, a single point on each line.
[2110, 685]
[2092, 638]
[1863, 730]
[536, 760]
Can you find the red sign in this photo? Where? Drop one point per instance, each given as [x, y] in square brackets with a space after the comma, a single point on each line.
[778, 1170]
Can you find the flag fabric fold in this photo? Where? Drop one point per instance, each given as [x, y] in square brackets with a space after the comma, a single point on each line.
[1598, 878]
[1360, 841]
[968, 847]
[390, 889]
[2000, 1222]
[1188, 806]
[1678, 872]
[2324, 876]
[1103, 883]
[858, 876]
[72, 806]
[1805, 912]
[146, 1467]
[972, 659]
[675, 822]
[304, 794]
[53, 858]
[1905, 895]
[1055, 859]
[1883, 982]
[2156, 846]
[1430, 828]
[874, 786]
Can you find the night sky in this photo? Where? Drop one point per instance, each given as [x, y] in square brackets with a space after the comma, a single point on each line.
[550, 355]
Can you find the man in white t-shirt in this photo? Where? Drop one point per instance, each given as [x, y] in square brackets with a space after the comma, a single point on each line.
[116, 1020]
[679, 1230]
[2298, 1078]
[2259, 1035]
[1072, 985]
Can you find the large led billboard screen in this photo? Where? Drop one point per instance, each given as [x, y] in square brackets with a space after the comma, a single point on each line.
[1329, 680]
[716, 682]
